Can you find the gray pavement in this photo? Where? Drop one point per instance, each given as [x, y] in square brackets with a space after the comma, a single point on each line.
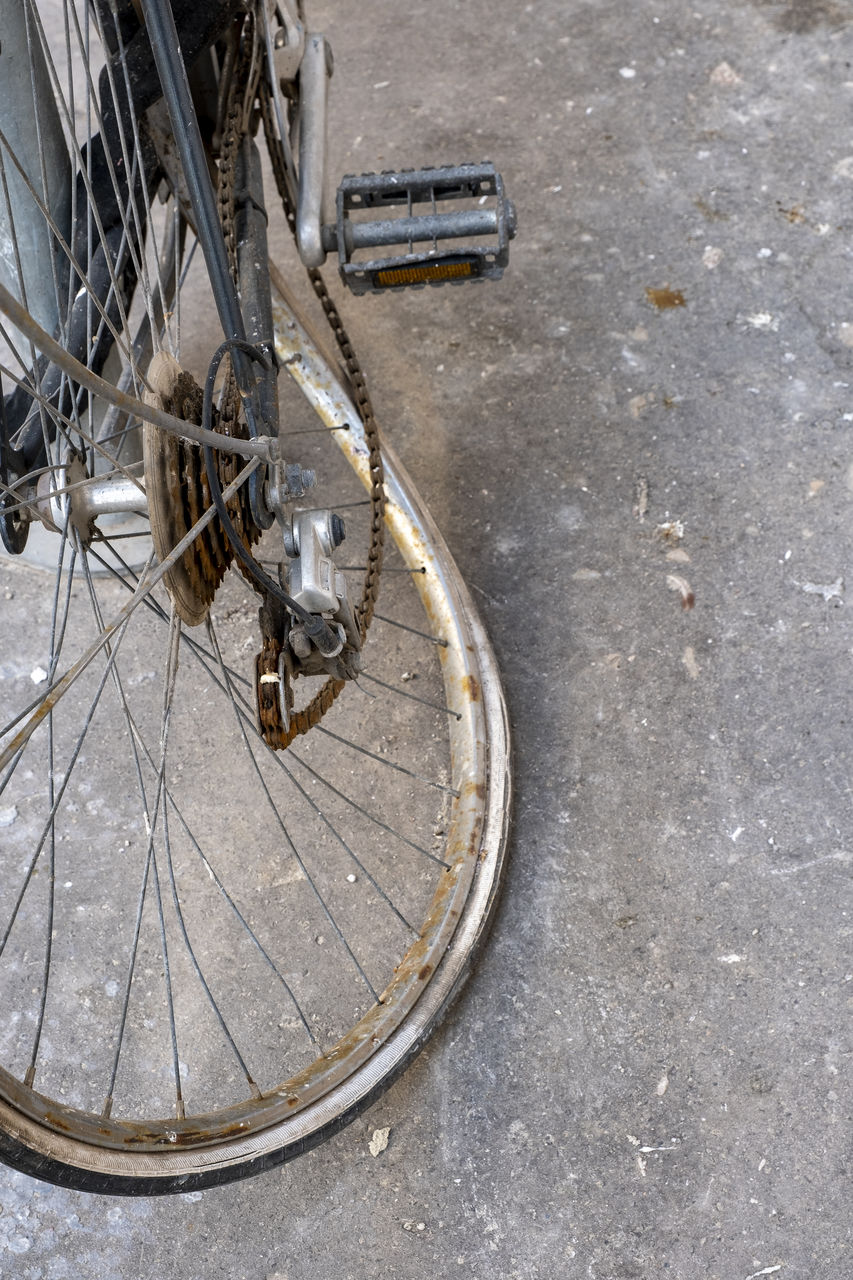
[649, 1073]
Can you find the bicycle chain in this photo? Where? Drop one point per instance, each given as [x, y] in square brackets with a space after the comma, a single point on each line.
[277, 731]
[205, 564]
[241, 94]
[279, 723]
[358, 383]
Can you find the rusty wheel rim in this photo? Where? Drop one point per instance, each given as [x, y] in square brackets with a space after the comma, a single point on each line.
[304, 1103]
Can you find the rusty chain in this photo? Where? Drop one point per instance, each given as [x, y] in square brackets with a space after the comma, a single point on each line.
[278, 731]
[355, 374]
[205, 566]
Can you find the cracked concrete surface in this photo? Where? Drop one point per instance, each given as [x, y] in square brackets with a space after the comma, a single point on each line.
[649, 1074]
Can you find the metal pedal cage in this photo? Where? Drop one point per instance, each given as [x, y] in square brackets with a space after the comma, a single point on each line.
[425, 187]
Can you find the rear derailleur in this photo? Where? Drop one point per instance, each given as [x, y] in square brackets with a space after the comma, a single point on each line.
[309, 577]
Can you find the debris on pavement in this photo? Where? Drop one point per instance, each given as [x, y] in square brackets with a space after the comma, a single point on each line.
[379, 1141]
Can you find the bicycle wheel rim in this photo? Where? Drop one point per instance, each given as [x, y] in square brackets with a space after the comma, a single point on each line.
[67, 1160]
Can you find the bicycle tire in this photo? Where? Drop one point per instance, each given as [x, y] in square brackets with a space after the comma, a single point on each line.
[218, 937]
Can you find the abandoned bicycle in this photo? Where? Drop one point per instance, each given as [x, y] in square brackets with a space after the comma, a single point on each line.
[252, 812]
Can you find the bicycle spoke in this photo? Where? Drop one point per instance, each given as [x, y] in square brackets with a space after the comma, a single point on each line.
[281, 761]
[138, 222]
[106, 1110]
[124, 575]
[145, 587]
[120, 191]
[68, 426]
[354, 856]
[56, 795]
[250, 933]
[403, 626]
[282, 826]
[159, 802]
[413, 697]
[232, 676]
[56, 232]
[253, 1087]
[383, 760]
[348, 799]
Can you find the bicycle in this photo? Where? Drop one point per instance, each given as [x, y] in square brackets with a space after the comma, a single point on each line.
[239, 892]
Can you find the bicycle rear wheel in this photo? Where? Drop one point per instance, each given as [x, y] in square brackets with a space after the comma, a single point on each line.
[212, 954]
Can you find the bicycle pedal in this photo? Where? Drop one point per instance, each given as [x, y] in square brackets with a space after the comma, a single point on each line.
[413, 203]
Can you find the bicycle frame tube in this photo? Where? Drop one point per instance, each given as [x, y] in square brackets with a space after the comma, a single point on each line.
[168, 59]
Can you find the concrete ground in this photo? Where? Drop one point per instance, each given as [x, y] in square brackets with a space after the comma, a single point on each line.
[649, 1073]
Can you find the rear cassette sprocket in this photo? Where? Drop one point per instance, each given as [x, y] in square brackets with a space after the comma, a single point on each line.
[179, 494]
